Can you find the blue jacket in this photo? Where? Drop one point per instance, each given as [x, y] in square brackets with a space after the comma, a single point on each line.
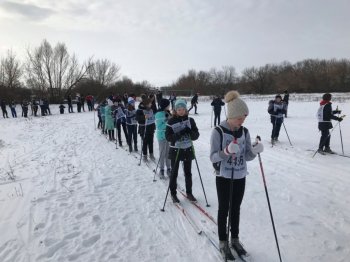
[161, 121]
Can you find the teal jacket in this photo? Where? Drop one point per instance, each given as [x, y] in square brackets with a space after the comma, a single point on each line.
[109, 121]
[161, 121]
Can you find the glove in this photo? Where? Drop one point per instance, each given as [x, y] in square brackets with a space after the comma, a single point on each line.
[340, 119]
[257, 148]
[232, 148]
[187, 130]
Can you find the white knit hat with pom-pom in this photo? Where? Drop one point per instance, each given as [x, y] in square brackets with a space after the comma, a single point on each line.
[236, 107]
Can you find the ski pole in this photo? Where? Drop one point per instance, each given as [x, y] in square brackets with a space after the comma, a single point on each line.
[287, 133]
[324, 142]
[268, 200]
[341, 136]
[94, 120]
[172, 170]
[200, 177]
[155, 170]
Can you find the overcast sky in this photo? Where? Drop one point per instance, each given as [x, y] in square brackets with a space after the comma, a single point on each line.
[158, 40]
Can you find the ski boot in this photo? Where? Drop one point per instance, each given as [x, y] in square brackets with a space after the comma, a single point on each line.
[320, 151]
[161, 174]
[151, 156]
[191, 197]
[328, 150]
[238, 247]
[175, 199]
[226, 251]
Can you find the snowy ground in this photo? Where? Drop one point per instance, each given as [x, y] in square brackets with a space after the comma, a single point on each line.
[76, 198]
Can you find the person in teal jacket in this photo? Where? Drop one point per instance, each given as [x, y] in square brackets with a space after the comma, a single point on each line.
[102, 112]
[161, 121]
[109, 121]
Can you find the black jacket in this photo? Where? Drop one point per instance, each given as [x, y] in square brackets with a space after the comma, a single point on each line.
[140, 118]
[194, 99]
[328, 114]
[217, 104]
[184, 154]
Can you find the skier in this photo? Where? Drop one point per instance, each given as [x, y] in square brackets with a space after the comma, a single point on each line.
[103, 117]
[146, 120]
[194, 102]
[70, 106]
[217, 104]
[324, 115]
[230, 148]
[98, 109]
[47, 106]
[25, 105]
[109, 122]
[78, 98]
[154, 105]
[159, 97]
[161, 120]
[286, 101]
[35, 107]
[120, 119]
[172, 99]
[62, 107]
[180, 131]
[131, 124]
[276, 109]
[82, 100]
[12, 106]
[3, 109]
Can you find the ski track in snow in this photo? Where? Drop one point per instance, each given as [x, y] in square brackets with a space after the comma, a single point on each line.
[84, 200]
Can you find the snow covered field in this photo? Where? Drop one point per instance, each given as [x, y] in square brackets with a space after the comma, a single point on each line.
[76, 198]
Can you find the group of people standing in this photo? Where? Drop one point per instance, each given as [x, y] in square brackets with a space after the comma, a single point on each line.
[34, 105]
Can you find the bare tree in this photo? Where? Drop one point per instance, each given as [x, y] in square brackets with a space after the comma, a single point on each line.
[54, 69]
[104, 71]
[10, 70]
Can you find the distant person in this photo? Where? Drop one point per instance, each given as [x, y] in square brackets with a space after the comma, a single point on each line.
[324, 115]
[3, 109]
[194, 102]
[217, 104]
[159, 97]
[35, 105]
[154, 105]
[131, 124]
[286, 101]
[70, 106]
[276, 110]
[172, 99]
[82, 100]
[47, 106]
[78, 98]
[25, 105]
[12, 106]
[62, 107]
[89, 102]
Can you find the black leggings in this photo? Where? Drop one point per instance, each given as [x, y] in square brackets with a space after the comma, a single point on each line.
[325, 139]
[223, 191]
[217, 117]
[123, 124]
[147, 142]
[174, 174]
[132, 134]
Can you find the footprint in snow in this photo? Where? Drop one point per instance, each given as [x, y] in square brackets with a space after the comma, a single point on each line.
[90, 241]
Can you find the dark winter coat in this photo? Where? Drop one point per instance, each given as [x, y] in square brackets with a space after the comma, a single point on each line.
[325, 114]
[194, 99]
[276, 110]
[286, 98]
[172, 137]
[141, 119]
[217, 104]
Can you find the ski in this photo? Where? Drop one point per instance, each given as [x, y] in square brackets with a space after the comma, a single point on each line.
[188, 218]
[201, 209]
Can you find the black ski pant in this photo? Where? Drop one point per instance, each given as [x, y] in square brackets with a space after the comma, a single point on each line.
[147, 143]
[223, 192]
[4, 112]
[25, 111]
[111, 134]
[217, 117]
[132, 135]
[35, 108]
[99, 124]
[325, 139]
[195, 108]
[79, 107]
[70, 108]
[119, 124]
[187, 165]
[276, 127]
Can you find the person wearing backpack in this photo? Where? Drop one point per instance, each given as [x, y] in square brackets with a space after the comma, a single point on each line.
[230, 149]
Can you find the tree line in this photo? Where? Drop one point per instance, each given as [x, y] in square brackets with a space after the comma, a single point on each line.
[52, 72]
[307, 76]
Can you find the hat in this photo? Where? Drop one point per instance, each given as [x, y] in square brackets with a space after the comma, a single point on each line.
[278, 96]
[180, 103]
[327, 97]
[131, 100]
[236, 107]
[164, 103]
